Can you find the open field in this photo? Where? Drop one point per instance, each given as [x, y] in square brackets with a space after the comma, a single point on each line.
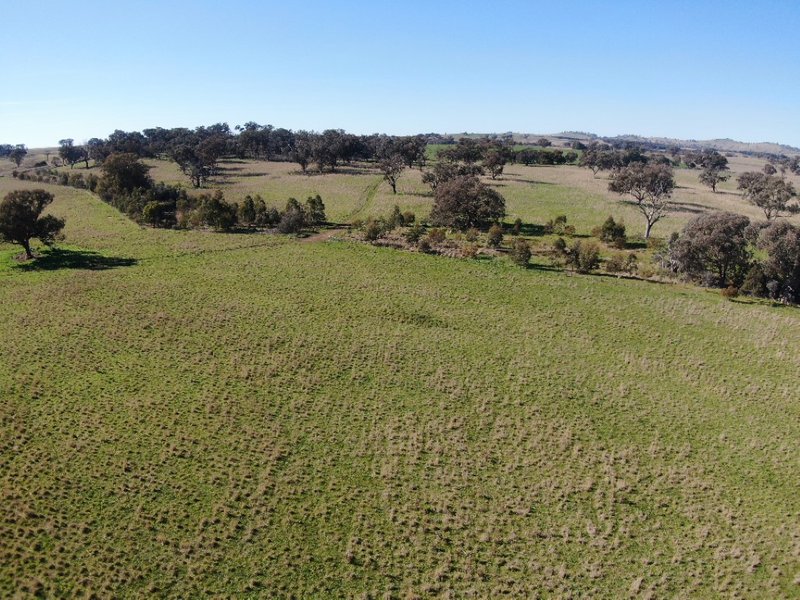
[535, 194]
[186, 413]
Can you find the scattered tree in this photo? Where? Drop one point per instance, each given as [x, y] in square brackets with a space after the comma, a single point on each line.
[465, 202]
[391, 168]
[713, 249]
[494, 162]
[21, 219]
[712, 177]
[770, 193]
[17, 153]
[780, 241]
[651, 187]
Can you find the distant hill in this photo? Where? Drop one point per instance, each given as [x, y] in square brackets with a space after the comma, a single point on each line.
[723, 145]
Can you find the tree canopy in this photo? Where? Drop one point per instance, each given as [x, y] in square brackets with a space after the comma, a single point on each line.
[465, 202]
[651, 187]
[21, 219]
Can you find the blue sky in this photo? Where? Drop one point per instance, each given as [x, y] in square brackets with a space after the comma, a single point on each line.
[672, 68]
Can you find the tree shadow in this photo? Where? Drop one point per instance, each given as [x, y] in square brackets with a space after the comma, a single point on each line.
[59, 258]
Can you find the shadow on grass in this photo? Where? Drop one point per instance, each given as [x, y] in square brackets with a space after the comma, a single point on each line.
[57, 258]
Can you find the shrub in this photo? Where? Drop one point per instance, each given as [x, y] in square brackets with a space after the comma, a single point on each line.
[471, 235]
[517, 227]
[755, 282]
[469, 250]
[436, 236]
[396, 218]
[622, 263]
[559, 246]
[556, 225]
[730, 292]
[584, 257]
[414, 234]
[612, 232]
[374, 229]
[424, 245]
[521, 252]
[495, 236]
[409, 217]
[315, 210]
[215, 212]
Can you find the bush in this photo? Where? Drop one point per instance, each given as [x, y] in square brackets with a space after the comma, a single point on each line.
[471, 235]
[424, 245]
[584, 257]
[409, 217]
[469, 250]
[730, 292]
[436, 236]
[611, 232]
[559, 246]
[517, 227]
[622, 263]
[396, 218]
[521, 252]
[374, 229]
[755, 282]
[414, 234]
[495, 236]
[556, 225]
[215, 212]
[315, 210]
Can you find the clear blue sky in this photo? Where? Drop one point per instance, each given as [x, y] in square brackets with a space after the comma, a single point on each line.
[698, 69]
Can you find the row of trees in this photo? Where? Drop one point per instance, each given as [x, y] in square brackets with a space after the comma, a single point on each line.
[197, 151]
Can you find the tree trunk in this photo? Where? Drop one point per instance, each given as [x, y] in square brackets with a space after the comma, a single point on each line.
[647, 230]
[27, 245]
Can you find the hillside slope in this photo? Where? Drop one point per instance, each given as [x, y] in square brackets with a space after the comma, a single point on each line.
[244, 415]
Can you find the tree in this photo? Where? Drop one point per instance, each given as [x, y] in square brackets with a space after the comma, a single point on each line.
[21, 220]
[770, 169]
[72, 154]
[770, 193]
[17, 153]
[391, 168]
[713, 249]
[781, 243]
[465, 202]
[123, 173]
[494, 162]
[651, 187]
[543, 142]
[303, 149]
[712, 177]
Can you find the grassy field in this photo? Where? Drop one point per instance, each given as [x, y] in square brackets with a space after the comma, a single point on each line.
[186, 413]
[535, 194]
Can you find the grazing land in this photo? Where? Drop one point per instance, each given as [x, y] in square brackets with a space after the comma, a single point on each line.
[188, 413]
